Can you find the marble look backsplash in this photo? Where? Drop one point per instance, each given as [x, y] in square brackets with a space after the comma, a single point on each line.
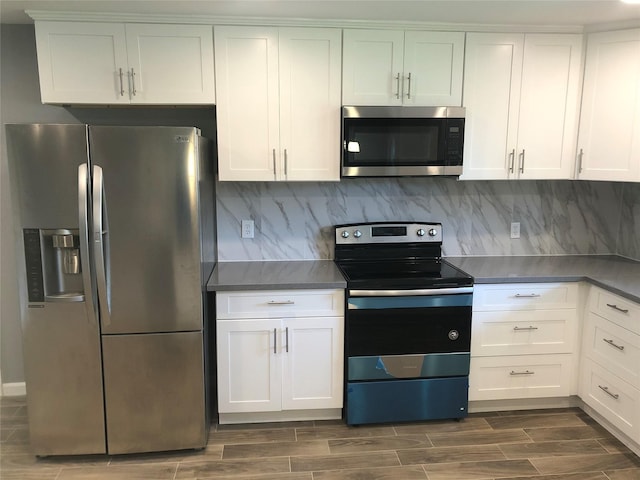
[294, 220]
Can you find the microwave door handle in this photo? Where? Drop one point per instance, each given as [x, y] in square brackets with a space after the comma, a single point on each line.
[83, 217]
[101, 245]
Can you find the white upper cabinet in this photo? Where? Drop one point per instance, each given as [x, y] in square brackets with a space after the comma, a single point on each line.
[387, 67]
[278, 103]
[521, 94]
[113, 63]
[609, 136]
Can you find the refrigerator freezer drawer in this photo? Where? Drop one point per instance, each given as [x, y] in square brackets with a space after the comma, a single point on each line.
[154, 392]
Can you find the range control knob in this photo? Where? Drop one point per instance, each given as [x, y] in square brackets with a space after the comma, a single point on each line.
[433, 232]
[345, 234]
[421, 232]
[357, 234]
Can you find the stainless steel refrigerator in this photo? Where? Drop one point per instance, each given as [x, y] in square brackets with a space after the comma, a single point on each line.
[117, 225]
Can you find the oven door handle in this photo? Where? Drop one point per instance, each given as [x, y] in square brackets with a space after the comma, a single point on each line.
[410, 293]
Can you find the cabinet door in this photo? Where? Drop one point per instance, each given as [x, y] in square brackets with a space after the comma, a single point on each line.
[547, 127]
[247, 106]
[433, 63]
[82, 62]
[372, 67]
[493, 68]
[249, 366]
[313, 356]
[609, 135]
[170, 64]
[310, 73]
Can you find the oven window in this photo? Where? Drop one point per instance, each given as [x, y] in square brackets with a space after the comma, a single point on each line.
[402, 331]
[379, 142]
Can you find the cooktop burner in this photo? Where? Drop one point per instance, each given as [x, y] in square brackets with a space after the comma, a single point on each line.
[398, 255]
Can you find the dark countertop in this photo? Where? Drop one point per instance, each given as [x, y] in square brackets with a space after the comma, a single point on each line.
[277, 275]
[616, 274]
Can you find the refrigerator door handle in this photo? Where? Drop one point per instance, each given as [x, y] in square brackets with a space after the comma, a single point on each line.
[83, 217]
[101, 245]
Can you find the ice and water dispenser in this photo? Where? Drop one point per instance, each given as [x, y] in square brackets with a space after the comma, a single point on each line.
[54, 267]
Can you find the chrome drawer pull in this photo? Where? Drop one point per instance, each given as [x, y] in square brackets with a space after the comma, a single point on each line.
[615, 307]
[284, 302]
[613, 344]
[526, 372]
[523, 329]
[606, 390]
[526, 295]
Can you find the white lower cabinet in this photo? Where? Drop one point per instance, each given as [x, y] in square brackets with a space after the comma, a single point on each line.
[610, 378]
[523, 341]
[280, 351]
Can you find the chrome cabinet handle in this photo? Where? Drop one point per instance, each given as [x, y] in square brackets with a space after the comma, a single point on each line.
[526, 295]
[522, 161]
[409, 85]
[526, 372]
[615, 307]
[275, 341]
[523, 329]
[580, 161]
[613, 344]
[284, 302]
[121, 84]
[606, 390]
[133, 82]
[512, 157]
[397, 77]
[286, 347]
[285, 161]
[274, 162]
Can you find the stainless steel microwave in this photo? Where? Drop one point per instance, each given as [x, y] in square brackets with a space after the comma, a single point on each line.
[402, 141]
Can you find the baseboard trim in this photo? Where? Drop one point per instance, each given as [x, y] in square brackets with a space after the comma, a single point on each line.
[16, 389]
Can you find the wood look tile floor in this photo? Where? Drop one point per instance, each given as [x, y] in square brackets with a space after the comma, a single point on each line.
[558, 444]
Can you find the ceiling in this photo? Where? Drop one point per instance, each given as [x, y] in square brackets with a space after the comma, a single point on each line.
[482, 12]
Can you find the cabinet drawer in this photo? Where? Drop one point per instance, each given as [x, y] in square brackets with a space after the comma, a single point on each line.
[611, 397]
[615, 308]
[280, 304]
[525, 296]
[525, 376]
[523, 332]
[613, 347]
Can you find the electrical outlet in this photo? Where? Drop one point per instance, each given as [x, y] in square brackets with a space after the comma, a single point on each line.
[515, 229]
[247, 228]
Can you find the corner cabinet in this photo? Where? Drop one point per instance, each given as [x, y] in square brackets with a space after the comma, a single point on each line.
[609, 136]
[610, 380]
[521, 93]
[389, 67]
[115, 63]
[280, 355]
[278, 103]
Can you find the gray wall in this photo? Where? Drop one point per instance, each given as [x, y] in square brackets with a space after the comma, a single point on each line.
[293, 221]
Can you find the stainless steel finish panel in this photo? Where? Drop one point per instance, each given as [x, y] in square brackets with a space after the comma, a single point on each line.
[154, 392]
[151, 179]
[63, 374]
[410, 293]
[388, 367]
[366, 233]
[43, 160]
[402, 112]
[402, 171]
